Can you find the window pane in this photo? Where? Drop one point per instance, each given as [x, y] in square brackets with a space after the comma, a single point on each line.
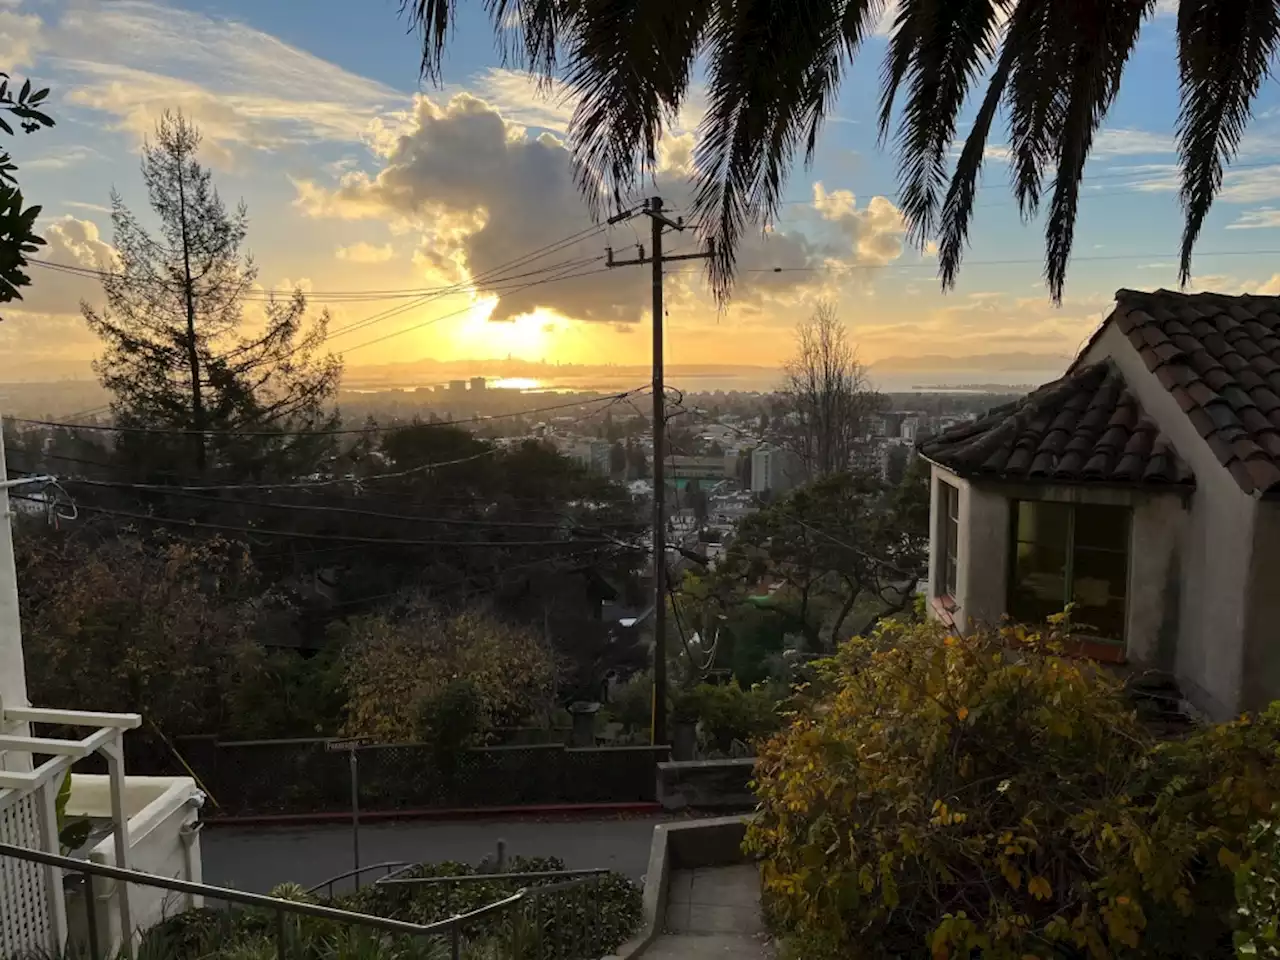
[1039, 581]
[1098, 591]
[1104, 527]
[950, 536]
[1046, 523]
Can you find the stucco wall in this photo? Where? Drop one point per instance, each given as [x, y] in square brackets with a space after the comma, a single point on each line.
[1261, 670]
[983, 550]
[1156, 558]
[1217, 557]
[983, 557]
[1157, 534]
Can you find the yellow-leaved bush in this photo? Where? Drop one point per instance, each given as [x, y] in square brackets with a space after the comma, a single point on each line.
[395, 666]
[981, 796]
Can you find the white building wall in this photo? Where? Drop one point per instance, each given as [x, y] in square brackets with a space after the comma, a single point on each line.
[1218, 558]
[1157, 532]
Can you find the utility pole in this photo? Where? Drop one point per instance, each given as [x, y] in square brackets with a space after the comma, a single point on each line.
[660, 223]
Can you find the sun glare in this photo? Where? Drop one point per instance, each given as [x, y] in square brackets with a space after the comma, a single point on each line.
[531, 337]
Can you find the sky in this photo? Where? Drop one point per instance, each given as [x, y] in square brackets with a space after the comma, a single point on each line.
[360, 177]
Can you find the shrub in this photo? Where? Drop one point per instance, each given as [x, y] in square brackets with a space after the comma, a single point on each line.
[1258, 892]
[954, 796]
[728, 713]
[451, 720]
[393, 666]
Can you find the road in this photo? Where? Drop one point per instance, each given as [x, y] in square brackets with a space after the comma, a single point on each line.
[258, 858]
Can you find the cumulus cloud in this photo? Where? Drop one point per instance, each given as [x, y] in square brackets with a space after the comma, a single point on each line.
[76, 242]
[483, 190]
[365, 253]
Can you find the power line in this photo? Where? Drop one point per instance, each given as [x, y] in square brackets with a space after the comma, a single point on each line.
[183, 493]
[169, 431]
[328, 537]
[469, 307]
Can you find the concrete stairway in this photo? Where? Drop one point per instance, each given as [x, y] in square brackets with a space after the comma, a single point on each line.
[712, 912]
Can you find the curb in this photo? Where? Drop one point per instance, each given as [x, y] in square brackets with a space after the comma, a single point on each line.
[564, 810]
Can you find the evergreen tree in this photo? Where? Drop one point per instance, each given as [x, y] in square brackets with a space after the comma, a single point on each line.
[180, 353]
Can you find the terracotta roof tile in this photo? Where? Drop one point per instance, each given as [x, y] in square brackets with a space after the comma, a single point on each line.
[1085, 427]
[1219, 357]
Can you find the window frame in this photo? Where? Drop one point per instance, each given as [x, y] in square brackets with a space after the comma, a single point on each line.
[1068, 579]
[948, 584]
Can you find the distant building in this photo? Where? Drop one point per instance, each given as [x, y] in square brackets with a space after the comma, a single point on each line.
[592, 454]
[457, 386]
[477, 383]
[774, 469]
[910, 429]
[683, 471]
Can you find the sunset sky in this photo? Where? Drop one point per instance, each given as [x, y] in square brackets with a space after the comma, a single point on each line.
[359, 178]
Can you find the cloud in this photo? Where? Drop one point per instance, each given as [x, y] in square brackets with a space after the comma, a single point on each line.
[523, 98]
[66, 157]
[245, 88]
[76, 242]
[483, 191]
[875, 233]
[365, 253]
[1263, 218]
[21, 37]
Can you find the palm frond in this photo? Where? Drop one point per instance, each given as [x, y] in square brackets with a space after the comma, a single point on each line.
[957, 209]
[433, 19]
[1102, 39]
[1224, 52]
[953, 41]
[1035, 99]
[774, 65]
[630, 62]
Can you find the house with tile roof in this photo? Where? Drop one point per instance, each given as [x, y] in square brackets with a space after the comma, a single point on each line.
[1144, 487]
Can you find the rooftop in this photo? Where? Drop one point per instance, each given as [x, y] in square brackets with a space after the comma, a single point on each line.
[1219, 356]
[1085, 427]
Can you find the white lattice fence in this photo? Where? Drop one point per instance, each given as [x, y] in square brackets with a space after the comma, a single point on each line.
[25, 924]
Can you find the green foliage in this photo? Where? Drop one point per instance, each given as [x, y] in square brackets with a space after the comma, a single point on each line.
[583, 921]
[148, 624]
[451, 719]
[72, 834]
[1258, 892]
[727, 712]
[17, 225]
[824, 552]
[632, 704]
[982, 795]
[17, 239]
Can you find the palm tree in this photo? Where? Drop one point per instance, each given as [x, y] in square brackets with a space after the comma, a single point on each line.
[774, 70]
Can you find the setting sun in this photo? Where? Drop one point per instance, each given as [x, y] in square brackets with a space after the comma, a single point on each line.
[530, 337]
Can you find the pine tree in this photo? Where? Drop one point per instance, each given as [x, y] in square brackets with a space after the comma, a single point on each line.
[180, 353]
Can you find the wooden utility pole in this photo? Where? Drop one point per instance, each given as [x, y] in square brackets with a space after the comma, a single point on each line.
[659, 222]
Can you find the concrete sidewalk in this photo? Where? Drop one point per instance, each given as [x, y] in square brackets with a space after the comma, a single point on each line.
[713, 912]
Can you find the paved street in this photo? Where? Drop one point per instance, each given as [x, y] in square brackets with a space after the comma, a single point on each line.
[258, 858]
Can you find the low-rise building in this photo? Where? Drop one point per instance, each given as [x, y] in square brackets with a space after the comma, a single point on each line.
[1143, 488]
[775, 469]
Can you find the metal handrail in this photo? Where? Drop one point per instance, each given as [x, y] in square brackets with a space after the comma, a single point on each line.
[391, 866]
[450, 926]
[389, 880]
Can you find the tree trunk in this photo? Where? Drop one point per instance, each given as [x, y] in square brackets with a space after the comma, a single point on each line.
[193, 354]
